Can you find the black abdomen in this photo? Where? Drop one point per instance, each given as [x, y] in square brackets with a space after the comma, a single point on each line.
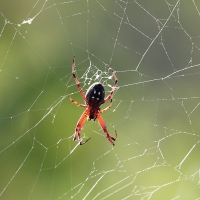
[95, 95]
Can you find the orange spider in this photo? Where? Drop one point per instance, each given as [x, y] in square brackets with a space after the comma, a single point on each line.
[94, 98]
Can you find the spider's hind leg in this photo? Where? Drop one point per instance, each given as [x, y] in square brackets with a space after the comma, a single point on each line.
[79, 127]
[82, 143]
[103, 126]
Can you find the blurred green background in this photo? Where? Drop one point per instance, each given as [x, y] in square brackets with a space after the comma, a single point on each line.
[154, 48]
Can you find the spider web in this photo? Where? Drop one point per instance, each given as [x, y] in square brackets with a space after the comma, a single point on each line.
[154, 48]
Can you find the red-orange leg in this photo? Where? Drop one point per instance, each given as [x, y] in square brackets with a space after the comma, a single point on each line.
[103, 126]
[113, 89]
[77, 103]
[79, 127]
[76, 80]
[105, 109]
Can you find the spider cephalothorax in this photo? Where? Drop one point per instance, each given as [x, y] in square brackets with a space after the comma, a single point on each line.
[94, 98]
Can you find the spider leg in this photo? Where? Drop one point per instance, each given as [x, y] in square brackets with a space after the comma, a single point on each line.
[76, 80]
[76, 103]
[79, 127]
[113, 89]
[103, 126]
[82, 143]
[105, 109]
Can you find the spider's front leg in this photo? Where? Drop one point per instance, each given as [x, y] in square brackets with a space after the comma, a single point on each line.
[103, 126]
[76, 80]
[79, 127]
[113, 89]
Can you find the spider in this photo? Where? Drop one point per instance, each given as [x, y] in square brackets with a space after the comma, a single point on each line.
[94, 98]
